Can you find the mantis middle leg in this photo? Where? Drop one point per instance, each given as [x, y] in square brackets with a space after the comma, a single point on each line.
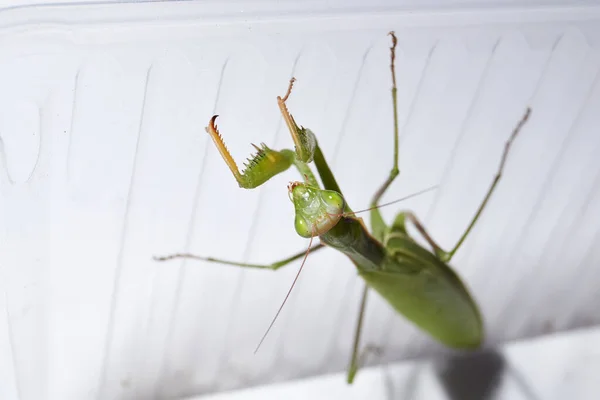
[273, 266]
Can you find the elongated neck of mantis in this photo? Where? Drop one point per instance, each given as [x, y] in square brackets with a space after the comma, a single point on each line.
[320, 213]
[350, 237]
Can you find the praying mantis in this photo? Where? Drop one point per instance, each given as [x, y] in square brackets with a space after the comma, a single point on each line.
[418, 283]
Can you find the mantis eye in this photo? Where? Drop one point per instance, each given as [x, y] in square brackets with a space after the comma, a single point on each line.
[333, 201]
[302, 227]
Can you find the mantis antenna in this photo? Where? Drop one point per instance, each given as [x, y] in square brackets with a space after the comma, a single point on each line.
[308, 252]
[420, 192]
[287, 295]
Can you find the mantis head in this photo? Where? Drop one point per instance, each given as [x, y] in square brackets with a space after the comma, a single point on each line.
[317, 211]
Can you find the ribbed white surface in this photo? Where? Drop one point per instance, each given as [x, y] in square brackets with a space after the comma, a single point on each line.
[554, 367]
[105, 163]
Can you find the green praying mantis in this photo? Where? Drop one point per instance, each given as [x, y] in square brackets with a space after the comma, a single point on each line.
[417, 282]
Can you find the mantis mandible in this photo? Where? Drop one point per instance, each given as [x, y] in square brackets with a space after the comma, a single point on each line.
[418, 283]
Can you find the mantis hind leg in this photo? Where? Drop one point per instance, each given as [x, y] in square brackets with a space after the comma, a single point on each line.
[446, 256]
[399, 226]
[358, 357]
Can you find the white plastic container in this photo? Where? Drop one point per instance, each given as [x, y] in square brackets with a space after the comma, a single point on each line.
[105, 164]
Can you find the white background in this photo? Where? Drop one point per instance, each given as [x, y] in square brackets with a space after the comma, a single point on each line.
[104, 163]
[562, 366]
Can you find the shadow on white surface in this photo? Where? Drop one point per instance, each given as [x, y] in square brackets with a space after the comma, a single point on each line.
[104, 163]
[559, 366]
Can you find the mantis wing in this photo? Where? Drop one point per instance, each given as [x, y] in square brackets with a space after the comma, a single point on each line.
[427, 292]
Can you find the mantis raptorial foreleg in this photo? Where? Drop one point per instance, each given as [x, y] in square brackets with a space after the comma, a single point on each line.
[273, 266]
[306, 146]
[447, 256]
